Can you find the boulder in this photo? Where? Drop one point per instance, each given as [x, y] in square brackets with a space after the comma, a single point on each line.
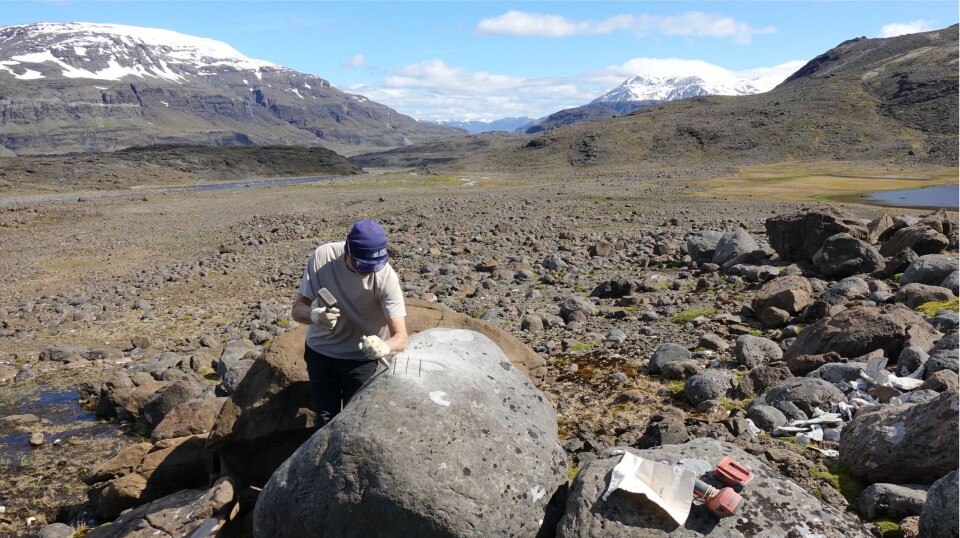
[952, 282]
[462, 444]
[839, 372]
[189, 418]
[919, 238]
[766, 418]
[668, 352]
[892, 501]
[161, 403]
[879, 229]
[573, 304]
[858, 331]
[752, 351]
[798, 237]
[164, 468]
[940, 221]
[911, 443]
[614, 289]
[709, 385]
[664, 429]
[56, 530]
[732, 244]
[183, 513]
[940, 513]
[807, 393]
[773, 504]
[897, 263]
[702, 246]
[791, 294]
[843, 255]
[271, 413]
[849, 289]
[931, 270]
[914, 295]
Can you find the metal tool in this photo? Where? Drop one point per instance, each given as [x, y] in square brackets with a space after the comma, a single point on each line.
[327, 297]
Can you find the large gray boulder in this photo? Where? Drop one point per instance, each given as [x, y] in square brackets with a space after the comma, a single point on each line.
[914, 295]
[798, 237]
[271, 412]
[773, 505]
[732, 244]
[667, 353]
[450, 441]
[910, 443]
[752, 351]
[931, 270]
[807, 393]
[843, 255]
[708, 385]
[940, 513]
[892, 501]
[858, 331]
[702, 246]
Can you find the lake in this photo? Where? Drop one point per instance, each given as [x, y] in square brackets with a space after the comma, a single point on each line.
[927, 197]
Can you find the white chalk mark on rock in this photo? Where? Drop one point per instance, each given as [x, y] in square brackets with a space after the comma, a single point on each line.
[538, 492]
[440, 398]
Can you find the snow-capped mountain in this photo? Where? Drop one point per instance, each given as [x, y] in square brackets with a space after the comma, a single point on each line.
[485, 126]
[88, 86]
[671, 88]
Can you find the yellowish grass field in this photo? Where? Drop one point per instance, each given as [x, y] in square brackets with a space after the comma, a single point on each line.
[822, 182]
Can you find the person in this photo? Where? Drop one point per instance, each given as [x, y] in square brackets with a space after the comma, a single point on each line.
[345, 342]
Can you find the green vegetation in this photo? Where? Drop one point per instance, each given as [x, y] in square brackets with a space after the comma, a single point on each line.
[840, 477]
[890, 529]
[755, 332]
[477, 313]
[692, 313]
[896, 277]
[576, 348]
[930, 309]
[282, 323]
[572, 472]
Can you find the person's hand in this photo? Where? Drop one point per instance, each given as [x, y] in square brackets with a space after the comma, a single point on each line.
[325, 317]
[374, 347]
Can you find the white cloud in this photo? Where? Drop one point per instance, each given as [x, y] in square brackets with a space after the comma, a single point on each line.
[902, 28]
[690, 24]
[356, 61]
[433, 90]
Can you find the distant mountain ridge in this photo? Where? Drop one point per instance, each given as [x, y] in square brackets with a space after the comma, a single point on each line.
[890, 101]
[640, 91]
[94, 87]
[480, 126]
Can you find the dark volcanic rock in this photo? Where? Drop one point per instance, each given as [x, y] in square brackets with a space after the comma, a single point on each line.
[843, 255]
[752, 351]
[773, 505]
[477, 424]
[920, 239]
[911, 443]
[798, 237]
[891, 501]
[858, 331]
[807, 393]
[668, 352]
[790, 294]
[939, 516]
[931, 269]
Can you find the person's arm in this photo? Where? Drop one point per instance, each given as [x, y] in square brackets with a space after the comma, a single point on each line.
[398, 335]
[300, 311]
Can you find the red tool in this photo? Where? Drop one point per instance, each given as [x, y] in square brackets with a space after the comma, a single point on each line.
[721, 503]
[724, 502]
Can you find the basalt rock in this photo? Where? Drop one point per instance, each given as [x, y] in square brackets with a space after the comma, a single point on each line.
[798, 237]
[773, 505]
[462, 445]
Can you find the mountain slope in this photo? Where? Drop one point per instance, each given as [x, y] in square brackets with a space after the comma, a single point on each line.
[94, 87]
[891, 100]
[478, 126]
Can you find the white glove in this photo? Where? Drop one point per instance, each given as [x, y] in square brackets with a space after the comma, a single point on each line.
[325, 317]
[374, 347]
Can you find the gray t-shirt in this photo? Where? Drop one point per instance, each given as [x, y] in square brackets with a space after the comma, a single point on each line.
[366, 302]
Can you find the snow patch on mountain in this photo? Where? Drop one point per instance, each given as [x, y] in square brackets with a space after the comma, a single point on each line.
[126, 51]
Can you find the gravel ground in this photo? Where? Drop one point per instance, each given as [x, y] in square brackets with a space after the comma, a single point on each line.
[175, 267]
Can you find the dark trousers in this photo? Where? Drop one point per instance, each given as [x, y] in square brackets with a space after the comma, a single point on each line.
[334, 381]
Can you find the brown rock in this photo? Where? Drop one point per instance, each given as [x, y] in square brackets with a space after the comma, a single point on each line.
[189, 418]
[789, 293]
[122, 464]
[921, 239]
[941, 381]
[914, 295]
[802, 365]
[774, 318]
[797, 237]
[877, 229]
[861, 330]
[940, 221]
[910, 527]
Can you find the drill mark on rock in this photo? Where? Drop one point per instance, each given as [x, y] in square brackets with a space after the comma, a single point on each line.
[440, 398]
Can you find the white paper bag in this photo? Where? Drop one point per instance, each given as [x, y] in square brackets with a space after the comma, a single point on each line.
[670, 487]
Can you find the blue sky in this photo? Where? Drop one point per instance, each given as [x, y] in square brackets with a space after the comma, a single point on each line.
[485, 60]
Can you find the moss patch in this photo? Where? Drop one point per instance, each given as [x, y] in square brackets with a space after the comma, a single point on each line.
[930, 309]
[840, 477]
[890, 529]
[691, 314]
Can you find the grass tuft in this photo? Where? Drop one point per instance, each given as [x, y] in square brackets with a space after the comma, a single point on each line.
[930, 309]
[842, 479]
[691, 314]
[890, 529]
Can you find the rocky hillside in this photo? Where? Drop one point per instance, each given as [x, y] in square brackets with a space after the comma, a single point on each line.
[167, 165]
[869, 100]
[100, 87]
